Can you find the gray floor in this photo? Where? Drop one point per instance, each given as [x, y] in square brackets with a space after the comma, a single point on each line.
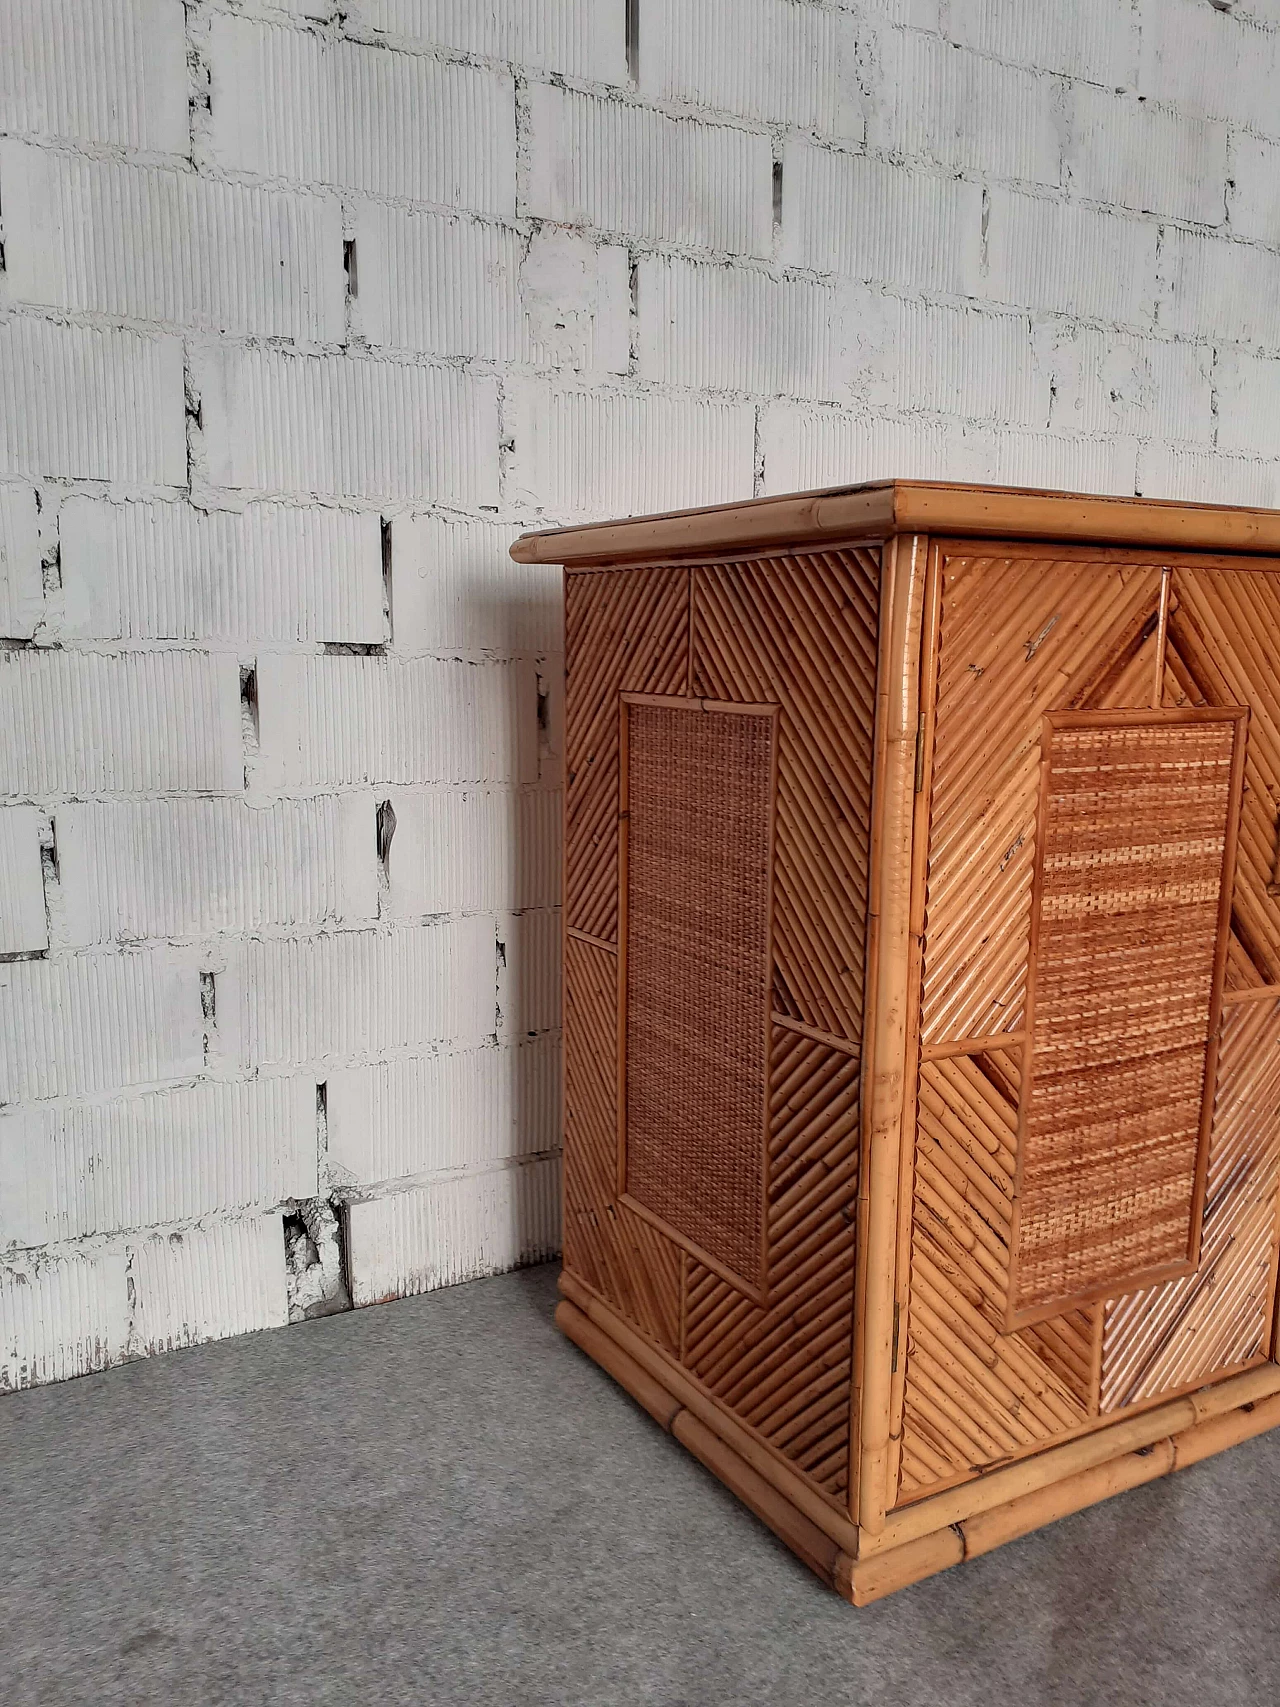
[442, 1501]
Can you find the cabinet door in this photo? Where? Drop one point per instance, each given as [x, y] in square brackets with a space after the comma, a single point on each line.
[1094, 1173]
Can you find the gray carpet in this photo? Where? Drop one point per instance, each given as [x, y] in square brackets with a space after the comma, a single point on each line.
[441, 1500]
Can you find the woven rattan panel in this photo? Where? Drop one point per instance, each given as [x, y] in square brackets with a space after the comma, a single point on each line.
[1136, 814]
[698, 806]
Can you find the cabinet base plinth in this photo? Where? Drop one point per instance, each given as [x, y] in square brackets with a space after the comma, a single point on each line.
[866, 1568]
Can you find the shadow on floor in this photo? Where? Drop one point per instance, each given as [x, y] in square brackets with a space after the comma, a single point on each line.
[442, 1501]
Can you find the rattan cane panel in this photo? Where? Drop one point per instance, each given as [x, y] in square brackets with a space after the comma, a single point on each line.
[1135, 824]
[785, 1369]
[606, 1245]
[1019, 636]
[1187, 1331]
[699, 794]
[625, 629]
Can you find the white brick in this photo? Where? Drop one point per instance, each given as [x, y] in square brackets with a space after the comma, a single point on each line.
[1254, 196]
[77, 722]
[1077, 260]
[960, 110]
[62, 1314]
[869, 219]
[623, 168]
[1208, 477]
[767, 59]
[110, 71]
[806, 447]
[1094, 39]
[269, 573]
[452, 286]
[1213, 288]
[89, 404]
[1248, 390]
[454, 587]
[94, 1022]
[579, 38]
[21, 578]
[1109, 382]
[148, 243]
[207, 1283]
[349, 427]
[528, 974]
[359, 719]
[356, 994]
[1139, 156]
[429, 1114]
[734, 328]
[167, 1156]
[454, 1229]
[190, 868]
[474, 850]
[594, 454]
[1209, 63]
[23, 928]
[290, 104]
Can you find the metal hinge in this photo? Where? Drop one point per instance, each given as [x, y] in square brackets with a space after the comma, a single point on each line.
[893, 1367]
[919, 757]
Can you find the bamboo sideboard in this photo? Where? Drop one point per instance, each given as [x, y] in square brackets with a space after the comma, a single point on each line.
[922, 999]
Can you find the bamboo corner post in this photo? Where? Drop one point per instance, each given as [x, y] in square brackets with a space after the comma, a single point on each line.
[922, 1000]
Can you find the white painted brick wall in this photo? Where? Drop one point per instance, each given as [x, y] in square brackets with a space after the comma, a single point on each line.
[306, 309]
[21, 577]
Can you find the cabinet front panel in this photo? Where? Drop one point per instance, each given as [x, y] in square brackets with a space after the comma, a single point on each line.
[1021, 640]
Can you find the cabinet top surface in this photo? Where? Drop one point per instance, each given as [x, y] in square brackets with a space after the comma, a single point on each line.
[881, 508]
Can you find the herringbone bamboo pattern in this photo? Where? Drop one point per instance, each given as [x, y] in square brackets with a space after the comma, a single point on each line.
[612, 1249]
[1186, 1330]
[801, 632]
[1222, 652]
[785, 1369]
[975, 1394]
[1019, 637]
[624, 631]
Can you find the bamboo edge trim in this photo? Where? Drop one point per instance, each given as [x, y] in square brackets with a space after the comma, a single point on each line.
[901, 507]
[1215, 1419]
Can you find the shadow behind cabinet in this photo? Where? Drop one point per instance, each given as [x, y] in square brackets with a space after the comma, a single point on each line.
[922, 999]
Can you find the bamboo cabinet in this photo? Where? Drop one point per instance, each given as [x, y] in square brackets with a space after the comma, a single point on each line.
[922, 1000]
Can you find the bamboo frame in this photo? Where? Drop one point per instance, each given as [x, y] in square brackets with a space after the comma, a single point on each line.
[886, 1018]
[858, 1531]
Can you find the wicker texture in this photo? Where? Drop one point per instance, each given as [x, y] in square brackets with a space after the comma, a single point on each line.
[1185, 1331]
[802, 632]
[975, 1393]
[1135, 822]
[1019, 636]
[784, 1369]
[698, 802]
[622, 631]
